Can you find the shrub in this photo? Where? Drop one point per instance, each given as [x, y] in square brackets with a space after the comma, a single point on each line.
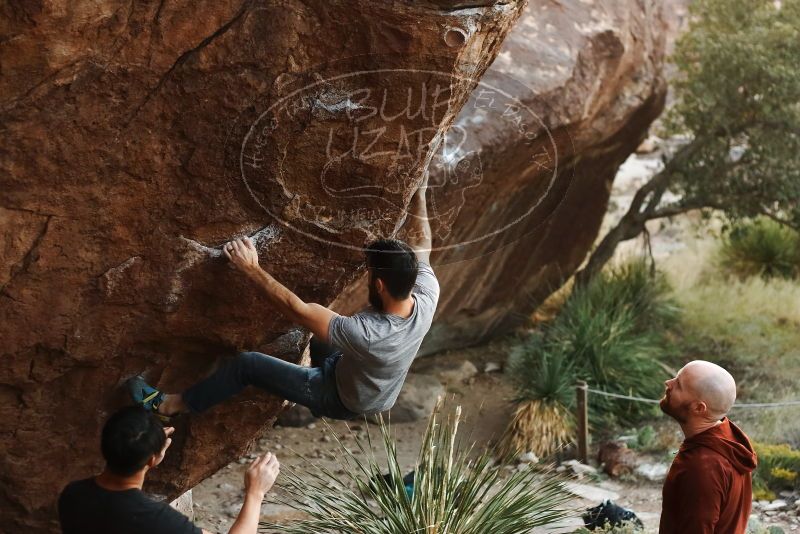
[778, 469]
[633, 286]
[606, 333]
[761, 247]
[610, 331]
[539, 373]
[454, 491]
[543, 422]
[645, 439]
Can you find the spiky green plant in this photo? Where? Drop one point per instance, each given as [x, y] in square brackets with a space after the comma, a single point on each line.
[603, 334]
[539, 373]
[457, 490]
[761, 247]
[607, 333]
[542, 422]
[634, 286]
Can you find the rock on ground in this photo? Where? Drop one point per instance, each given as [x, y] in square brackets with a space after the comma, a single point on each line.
[417, 398]
[140, 136]
[296, 416]
[655, 472]
[617, 459]
[519, 189]
[451, 373]
[184, 504]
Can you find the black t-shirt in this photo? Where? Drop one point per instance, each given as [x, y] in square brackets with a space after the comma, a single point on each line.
[86, 508]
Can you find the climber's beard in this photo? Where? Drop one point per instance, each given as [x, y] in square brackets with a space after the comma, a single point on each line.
[374, 297]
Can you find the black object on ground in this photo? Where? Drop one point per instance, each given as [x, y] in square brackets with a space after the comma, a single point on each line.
[609, 514]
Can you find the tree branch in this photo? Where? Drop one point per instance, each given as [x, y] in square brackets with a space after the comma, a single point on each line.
[633, 222]
[781, 221]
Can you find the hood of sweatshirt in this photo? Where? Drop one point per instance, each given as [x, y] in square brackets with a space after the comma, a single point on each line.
[728, 440]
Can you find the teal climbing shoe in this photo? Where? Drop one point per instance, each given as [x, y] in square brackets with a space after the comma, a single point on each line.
[146, 396]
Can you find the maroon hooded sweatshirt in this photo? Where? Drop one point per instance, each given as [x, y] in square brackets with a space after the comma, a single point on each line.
[709, 488]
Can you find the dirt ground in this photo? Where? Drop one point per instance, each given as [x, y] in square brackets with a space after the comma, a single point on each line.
[486, 408]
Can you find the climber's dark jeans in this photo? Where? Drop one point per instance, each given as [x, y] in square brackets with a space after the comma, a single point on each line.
[313, 387]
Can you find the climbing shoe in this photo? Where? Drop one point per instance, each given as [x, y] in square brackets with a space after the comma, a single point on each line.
[146, 396]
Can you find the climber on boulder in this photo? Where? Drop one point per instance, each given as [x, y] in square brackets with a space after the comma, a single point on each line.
[359, 362]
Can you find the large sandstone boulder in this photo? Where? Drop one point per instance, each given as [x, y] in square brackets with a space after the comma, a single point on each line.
[140, 136]
[521, 184]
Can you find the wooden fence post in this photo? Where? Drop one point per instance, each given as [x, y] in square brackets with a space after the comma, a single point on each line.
[582, 407]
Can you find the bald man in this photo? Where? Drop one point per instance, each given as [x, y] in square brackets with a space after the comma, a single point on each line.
[708, 488]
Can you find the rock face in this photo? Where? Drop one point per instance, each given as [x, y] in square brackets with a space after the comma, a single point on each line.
[140, 136]
[520, 187]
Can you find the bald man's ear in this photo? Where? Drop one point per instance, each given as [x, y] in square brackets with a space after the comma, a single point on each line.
[700, 408]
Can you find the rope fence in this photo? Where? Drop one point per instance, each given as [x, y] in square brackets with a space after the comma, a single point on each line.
[656, 401]
[582, 391]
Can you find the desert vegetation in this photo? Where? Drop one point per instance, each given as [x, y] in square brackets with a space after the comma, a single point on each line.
[453, 490]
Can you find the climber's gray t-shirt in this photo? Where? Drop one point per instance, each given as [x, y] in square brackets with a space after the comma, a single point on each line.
[378, 348]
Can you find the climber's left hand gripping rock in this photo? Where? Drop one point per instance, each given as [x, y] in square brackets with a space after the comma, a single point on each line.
[242, 254]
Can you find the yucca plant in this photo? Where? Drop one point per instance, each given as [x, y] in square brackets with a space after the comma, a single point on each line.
[542, 422]
[761, 247]
[610, 349]
[607, 333]
[456, 490]
[635, 287]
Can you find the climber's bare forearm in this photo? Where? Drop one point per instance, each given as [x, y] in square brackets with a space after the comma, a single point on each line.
[314, 317]
[243, 255]
[278, 295]
[419, 228]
